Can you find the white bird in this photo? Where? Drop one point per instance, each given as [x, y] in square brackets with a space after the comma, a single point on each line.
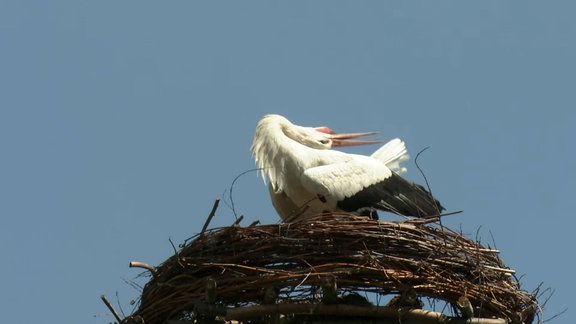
[307, 178]
[392, 154]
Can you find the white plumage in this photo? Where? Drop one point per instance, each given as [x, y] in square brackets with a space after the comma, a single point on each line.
[307, 178]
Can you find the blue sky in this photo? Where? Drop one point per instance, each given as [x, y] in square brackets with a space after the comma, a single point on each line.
[122, 121]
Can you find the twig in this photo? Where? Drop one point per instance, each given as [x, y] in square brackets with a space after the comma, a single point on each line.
[120, 305]
[137, 264]
[238, 220]
[133, 284]
[506, 271]
[424, 176]
[438, 211]
[212, 213]
[111, 308]
[173, 246]
[451, 213]
[230, 196]
[303, 280]
[176, 251]
[557, 315]
[493, 239]
[546, 302]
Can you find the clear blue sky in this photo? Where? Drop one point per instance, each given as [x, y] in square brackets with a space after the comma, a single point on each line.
[122, 121]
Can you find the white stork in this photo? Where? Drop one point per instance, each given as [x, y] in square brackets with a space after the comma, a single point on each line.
[307, 178]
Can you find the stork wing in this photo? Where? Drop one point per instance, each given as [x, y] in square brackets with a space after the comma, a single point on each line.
[392, 154]
[397, 195]
[366, 182]
[345, 179]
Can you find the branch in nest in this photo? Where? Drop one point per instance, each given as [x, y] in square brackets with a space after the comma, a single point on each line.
[210, 216]
[137, 264]
[111, 308]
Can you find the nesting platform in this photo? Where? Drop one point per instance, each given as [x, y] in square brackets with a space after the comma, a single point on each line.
[334, 269]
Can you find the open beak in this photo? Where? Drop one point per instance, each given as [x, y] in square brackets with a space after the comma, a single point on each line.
[347, 139]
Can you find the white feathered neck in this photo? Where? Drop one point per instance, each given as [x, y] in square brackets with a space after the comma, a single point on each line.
[276, 152]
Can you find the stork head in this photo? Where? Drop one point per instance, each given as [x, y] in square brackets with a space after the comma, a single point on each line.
[276, 138]
[324, 138]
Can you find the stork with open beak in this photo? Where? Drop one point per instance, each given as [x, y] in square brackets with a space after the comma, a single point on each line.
[308, 178]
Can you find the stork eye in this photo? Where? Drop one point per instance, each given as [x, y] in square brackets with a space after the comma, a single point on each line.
[324, 141]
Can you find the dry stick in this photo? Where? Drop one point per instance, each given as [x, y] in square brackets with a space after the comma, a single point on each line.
[111, 308]
[424, 176]
[120, 305]
[212, 213]
[451, 213]
[137, 264]
[173, 246]
[237, 222]
[176, 252]
[232, 188]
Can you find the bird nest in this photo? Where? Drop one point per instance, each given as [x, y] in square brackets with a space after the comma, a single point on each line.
[337, 266]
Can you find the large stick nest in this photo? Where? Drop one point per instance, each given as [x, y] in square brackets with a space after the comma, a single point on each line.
[399, 263]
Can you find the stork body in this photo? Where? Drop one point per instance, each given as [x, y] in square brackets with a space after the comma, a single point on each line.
[392, 154]
[307, 178]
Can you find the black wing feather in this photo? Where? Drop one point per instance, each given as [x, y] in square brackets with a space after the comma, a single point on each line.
[396, 195]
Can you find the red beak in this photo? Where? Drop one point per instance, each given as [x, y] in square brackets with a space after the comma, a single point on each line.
[347, 139]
